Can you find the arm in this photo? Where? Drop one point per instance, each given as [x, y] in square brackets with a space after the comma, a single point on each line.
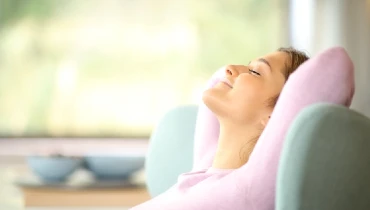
[327, 77]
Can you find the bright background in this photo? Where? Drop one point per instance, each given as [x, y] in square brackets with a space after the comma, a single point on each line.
[111, 68]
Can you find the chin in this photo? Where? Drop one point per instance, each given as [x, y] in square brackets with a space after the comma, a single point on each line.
[215, 101]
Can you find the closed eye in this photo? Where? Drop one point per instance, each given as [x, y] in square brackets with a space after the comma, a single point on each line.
[254, 72]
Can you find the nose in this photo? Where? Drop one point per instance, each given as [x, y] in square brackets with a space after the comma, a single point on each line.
[231, 70]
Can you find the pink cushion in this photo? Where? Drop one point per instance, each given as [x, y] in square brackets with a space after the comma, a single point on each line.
[327, 77]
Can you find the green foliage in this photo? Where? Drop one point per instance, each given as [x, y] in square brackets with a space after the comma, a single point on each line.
[13, 10]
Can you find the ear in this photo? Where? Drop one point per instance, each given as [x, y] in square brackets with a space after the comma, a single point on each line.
[265, 120]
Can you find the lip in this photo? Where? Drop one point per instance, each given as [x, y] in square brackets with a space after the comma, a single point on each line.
[226, 82]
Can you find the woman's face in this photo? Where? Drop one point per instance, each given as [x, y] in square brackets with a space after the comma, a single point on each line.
[246, 90]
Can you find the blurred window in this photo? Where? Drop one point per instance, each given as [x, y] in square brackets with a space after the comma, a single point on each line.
[112, 68]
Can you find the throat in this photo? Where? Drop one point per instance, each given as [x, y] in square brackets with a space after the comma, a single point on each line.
[235, 144]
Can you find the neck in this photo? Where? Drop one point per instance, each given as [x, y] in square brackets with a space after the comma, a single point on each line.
[235, 144]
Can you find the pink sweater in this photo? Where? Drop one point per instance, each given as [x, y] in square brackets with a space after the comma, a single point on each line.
[328, 77]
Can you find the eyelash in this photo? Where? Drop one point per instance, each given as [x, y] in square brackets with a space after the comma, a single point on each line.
[254, 72]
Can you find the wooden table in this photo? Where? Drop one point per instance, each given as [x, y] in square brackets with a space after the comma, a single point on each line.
[92, 195]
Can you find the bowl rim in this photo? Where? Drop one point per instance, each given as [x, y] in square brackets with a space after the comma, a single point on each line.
[47, 157]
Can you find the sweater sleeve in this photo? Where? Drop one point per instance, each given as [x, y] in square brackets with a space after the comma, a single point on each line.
[206, 130]
[326, 78]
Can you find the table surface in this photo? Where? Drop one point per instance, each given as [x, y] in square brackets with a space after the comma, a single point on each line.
[27, 182]
[11, 169]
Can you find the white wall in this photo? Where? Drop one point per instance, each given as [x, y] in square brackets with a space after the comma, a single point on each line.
[319, 24]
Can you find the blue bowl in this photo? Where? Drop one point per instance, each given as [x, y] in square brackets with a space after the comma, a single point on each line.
[114, 167]
[53, 169]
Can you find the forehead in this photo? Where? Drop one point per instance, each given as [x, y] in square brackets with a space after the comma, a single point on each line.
[278, 60]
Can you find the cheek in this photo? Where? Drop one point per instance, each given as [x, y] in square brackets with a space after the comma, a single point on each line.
[248, 90]
[246, 103]
[257, 90]
[248, 98]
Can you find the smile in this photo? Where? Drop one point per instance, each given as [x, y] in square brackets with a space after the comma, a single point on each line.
[226, 82]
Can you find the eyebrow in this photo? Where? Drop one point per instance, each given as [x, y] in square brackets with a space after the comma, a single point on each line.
[263, 61]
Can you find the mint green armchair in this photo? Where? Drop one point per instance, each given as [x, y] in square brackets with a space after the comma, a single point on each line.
[170, 149]
[325, 162]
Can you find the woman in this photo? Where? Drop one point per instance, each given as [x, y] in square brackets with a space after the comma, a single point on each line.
[242, 100]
